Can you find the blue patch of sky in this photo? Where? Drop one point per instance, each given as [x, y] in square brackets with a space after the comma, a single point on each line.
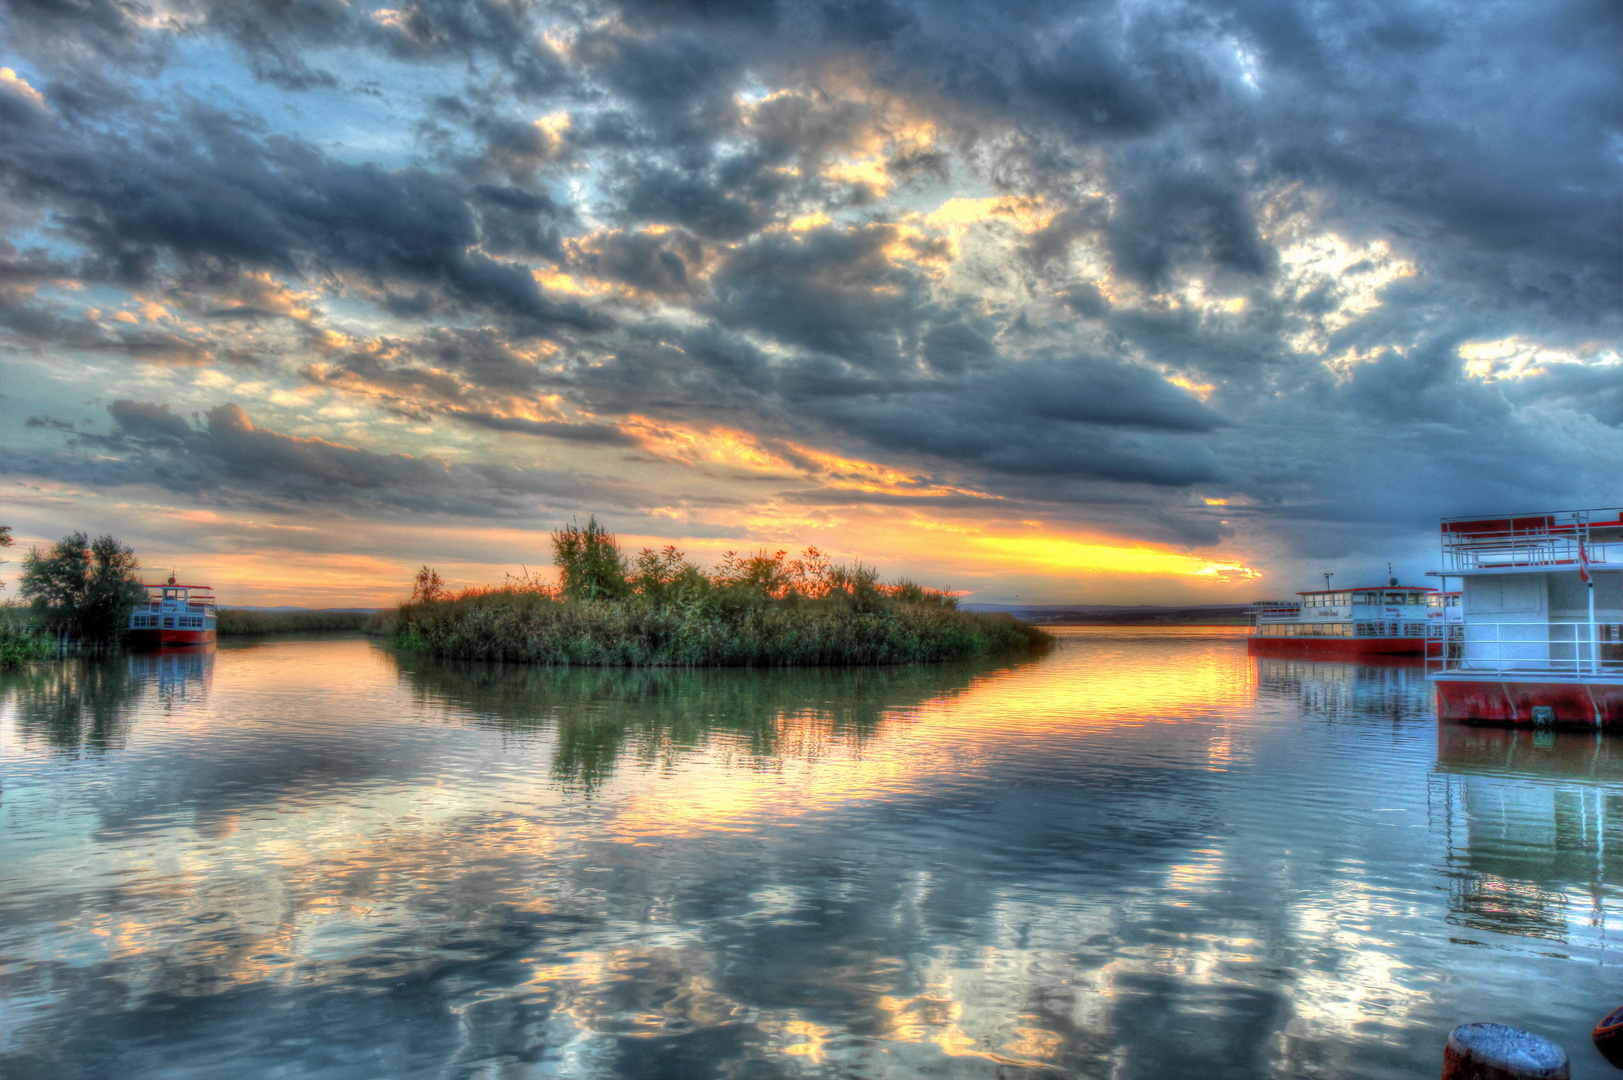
[358, 120]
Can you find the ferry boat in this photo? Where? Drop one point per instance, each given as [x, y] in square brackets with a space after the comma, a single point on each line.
[173, 615]
[1373, 620]
[1539, 639]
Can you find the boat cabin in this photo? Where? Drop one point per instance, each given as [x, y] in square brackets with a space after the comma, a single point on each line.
[1541, 595]
[1387, 611]
[174, 614]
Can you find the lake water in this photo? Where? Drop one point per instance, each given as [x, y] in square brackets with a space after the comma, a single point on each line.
[1144, 855]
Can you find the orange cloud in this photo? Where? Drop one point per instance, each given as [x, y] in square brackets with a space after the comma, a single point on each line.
[737, 449]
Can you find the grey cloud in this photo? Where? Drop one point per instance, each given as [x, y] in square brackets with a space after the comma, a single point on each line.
[225, 193]
[696, 200]
[654, 264]
[1170, 140]
[1174, 213]
[831, 290]
[229, 459]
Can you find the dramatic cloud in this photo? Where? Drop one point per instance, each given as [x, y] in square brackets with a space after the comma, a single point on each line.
[1252, 285]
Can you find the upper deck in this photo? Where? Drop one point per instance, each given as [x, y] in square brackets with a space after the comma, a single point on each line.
[1532, 542]
[1371, 602]
[173, 596]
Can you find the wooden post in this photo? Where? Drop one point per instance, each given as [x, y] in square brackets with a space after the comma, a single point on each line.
[1500, 1052]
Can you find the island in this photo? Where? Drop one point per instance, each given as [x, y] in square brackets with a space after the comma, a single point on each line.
[660, 610]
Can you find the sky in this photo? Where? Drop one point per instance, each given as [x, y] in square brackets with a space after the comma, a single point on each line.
[1104, 302]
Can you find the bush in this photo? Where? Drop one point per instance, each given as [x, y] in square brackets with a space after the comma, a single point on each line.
[20, 641]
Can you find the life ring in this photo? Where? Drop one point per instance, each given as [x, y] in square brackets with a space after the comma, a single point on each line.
[1608, 1036]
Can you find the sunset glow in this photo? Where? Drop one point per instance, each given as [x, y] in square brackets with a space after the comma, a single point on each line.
[420, 289]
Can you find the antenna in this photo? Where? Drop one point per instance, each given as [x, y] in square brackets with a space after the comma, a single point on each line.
[1391, 578]
[1327, 578]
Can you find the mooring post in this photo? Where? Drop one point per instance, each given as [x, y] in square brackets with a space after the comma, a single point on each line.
[1608, 1036]
[1501, 1052]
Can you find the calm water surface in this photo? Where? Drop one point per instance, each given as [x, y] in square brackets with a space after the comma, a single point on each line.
[1145, 855]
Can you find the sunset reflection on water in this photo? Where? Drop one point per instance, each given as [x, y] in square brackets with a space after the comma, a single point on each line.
[1145, 854]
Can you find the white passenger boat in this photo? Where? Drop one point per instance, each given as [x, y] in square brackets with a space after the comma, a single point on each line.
[1367, 621]
[173, 615]
[1540, 632]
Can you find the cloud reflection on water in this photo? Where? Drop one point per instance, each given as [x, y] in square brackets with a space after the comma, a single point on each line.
[1145, 855]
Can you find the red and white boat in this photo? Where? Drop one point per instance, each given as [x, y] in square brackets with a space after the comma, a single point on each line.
[1373, 620]
[1540, 632]
[173, 615]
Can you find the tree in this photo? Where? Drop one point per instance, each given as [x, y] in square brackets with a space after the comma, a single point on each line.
[5, 542]
[593, 568]
[429, 586]
[84, 588]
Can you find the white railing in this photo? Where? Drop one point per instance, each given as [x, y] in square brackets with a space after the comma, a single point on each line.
[1550, 539]
[1568, 650]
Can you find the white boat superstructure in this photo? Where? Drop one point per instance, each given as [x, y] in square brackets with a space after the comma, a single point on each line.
[1539, 635]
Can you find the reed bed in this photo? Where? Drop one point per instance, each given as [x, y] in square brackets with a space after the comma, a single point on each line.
[535, 628]
[662, 611]
[236, 622]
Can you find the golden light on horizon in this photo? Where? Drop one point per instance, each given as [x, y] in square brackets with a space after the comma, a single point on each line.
[1051, 554]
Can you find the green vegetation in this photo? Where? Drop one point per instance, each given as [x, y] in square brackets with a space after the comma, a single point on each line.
[235, 622]
[83, 590]
[20, 642]
[663, 611]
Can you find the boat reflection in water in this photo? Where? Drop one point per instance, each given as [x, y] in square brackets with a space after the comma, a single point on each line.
[86, 706]
[1533, 826]
[1393, 687]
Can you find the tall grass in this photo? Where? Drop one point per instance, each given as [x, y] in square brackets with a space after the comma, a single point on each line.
[20, 641]
[755, 611]
[235, 622]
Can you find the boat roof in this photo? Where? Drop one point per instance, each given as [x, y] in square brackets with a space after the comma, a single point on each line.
[1610, 517]
[174, 585]
[1368, 588]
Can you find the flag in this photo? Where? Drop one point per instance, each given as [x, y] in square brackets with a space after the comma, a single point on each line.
[1583, 565]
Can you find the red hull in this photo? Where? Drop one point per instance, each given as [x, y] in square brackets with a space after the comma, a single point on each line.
[150, 638]
[1571, 704]
[1308, 645]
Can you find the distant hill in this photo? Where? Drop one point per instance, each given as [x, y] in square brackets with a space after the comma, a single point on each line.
[1122, 614]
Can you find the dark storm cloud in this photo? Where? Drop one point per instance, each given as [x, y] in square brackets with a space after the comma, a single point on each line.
[274, 35]
[1121, 428]
[1170, 144]
[216, 188]
[1173, 212]
[227, 458]
[832, 291]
